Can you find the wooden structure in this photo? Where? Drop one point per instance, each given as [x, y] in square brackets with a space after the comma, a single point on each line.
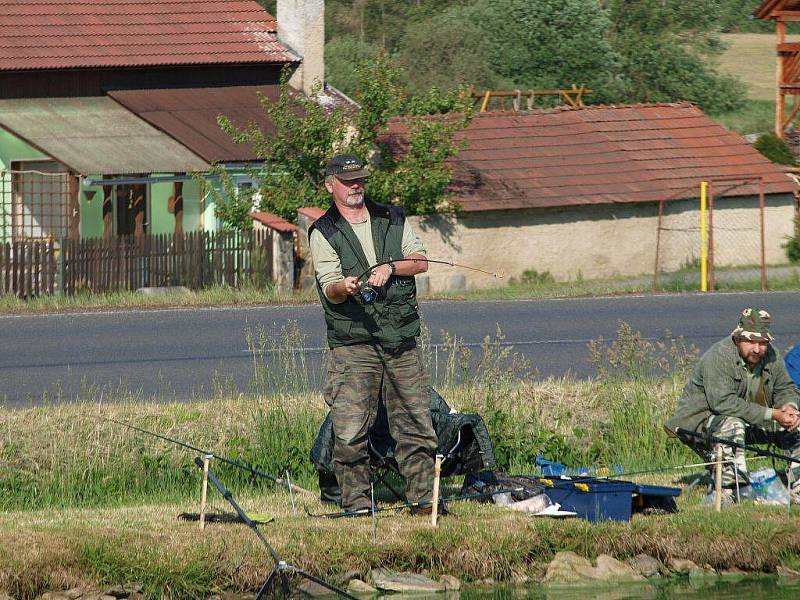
[787, 77]
[568, 97]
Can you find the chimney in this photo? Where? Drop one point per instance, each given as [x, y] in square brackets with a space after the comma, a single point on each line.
[301, 27]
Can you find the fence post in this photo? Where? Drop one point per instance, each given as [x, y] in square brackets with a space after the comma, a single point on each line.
[61, 271]
[703, 236]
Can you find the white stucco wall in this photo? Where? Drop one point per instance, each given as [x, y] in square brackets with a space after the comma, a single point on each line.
[596, 241]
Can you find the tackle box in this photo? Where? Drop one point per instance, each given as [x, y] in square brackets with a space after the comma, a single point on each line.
[607, 499]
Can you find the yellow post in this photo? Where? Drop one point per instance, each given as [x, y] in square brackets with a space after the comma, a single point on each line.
[703, 236]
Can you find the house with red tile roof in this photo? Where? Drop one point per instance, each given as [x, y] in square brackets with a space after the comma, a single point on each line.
[585, 192]
[107, 107]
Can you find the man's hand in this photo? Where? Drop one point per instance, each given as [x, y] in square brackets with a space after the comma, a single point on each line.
[351, 285]
[787, 417]
[339, 291]
[380, 275]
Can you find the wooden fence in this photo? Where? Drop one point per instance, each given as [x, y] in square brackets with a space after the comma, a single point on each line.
[28, 269]
[195, 260]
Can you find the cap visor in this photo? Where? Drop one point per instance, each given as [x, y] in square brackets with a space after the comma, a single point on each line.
[350, 175]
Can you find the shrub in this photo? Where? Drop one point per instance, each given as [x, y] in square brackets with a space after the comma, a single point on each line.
[775, 149]
[792, 244]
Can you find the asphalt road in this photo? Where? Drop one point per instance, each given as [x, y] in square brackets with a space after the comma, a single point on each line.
[189, 353]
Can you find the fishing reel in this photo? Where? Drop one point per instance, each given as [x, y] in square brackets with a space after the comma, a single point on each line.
[370, 294]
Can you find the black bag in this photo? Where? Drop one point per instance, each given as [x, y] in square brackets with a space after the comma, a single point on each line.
[463, 440]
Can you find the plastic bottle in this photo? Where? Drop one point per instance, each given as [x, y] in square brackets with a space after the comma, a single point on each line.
[766, 487]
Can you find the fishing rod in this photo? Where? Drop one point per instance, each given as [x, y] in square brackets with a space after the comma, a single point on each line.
[244, 466]
[753, 449]
[281, 567]
[369, 295]
[542, 484]
[420, 504]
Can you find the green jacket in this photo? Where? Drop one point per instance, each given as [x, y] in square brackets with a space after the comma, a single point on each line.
[718, 386]
[392, 320]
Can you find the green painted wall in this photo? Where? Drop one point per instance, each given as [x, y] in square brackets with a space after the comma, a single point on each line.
[160, 220]
[91, 225]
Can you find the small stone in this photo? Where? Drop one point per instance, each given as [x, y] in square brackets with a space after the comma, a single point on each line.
[787, 572]
[54, 596]
[163, 290]
[645, 565]
[352, 574]
[356, 586]
[450, 582]
[610, 569]
[568, 567]
[392, 581]
[486, 581]
[703, 572]
[682, 566]
[733, 574]
[313, 589]
[73, 593]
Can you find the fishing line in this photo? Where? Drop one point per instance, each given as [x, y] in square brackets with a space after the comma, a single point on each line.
[369, 294]
[244, 466]
[496, 275]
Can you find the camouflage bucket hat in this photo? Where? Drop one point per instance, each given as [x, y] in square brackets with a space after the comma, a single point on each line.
[754, 324]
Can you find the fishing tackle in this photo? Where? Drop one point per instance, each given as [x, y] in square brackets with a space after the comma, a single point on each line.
[281, 567]
[244, 466]
[369, 294]
[712, 438]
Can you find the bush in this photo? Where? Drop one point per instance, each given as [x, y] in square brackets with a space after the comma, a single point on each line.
[775, 149]
[534, 277]
[792, 244]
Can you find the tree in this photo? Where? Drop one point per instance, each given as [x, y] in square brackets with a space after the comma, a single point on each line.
[309, 133]
[663, 61]
[445, 50]
[551, 44]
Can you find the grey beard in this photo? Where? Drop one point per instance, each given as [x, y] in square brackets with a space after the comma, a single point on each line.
[354, 199]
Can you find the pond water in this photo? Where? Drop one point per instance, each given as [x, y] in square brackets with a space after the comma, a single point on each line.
[750, 588]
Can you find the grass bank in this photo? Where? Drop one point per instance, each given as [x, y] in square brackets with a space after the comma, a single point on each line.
[85, 502]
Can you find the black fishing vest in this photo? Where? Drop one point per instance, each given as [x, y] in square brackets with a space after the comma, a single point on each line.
[392, 319]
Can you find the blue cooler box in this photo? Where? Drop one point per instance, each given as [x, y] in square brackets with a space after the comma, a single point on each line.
[604, 499]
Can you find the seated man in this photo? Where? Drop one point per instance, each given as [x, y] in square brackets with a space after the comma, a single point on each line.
[740, 390]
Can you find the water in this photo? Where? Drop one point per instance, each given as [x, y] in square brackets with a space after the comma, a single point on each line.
[750, 588]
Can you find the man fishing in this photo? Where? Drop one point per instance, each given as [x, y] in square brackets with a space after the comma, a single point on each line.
[372, 334]
[740, 391]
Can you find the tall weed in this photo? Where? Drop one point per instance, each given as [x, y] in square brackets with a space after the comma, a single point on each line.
[631, 371]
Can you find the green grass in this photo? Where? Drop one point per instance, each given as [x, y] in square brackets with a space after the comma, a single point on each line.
[215, 296]
[751, 57]
[756, 117]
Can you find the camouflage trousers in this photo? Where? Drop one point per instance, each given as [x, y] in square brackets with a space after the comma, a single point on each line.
[357, 375]
[737, 430]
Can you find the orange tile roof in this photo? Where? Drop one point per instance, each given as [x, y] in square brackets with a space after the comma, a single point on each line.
[62, 34]
[273, 221]
[312, 212]
[597, 155]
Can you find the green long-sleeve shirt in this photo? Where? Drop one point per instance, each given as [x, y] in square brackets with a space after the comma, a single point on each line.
[722, 384]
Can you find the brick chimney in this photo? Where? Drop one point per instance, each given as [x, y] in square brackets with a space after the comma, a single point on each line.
[301, 27]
